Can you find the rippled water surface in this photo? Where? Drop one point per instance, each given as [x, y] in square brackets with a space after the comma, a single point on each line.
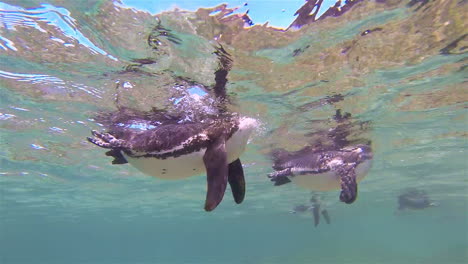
[398, 66]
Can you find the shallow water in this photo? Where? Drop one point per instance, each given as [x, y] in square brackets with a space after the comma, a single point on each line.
[63, 202]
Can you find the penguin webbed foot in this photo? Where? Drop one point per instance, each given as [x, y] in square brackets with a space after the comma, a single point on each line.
[348, 184]
[105, 140]
[236, 180]
[215, 160]
[117, 155]
[326, 216]
[280, 177]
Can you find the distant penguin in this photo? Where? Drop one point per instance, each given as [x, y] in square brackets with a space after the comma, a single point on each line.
[317, 209]
[413, 199]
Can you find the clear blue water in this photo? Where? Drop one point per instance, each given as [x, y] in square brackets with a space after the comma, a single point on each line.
[62, 201]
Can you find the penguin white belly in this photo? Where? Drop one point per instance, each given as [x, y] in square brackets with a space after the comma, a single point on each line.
[329, 180]
[170, 168]
[235, 146]
[191, 164]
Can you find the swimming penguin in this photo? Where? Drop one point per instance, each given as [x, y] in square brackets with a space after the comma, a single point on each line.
[413, 199]
[325, 168]
[301, 208]
[171, 146]
[316, 208]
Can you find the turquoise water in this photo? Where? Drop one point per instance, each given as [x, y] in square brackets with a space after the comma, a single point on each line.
[62, 201]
